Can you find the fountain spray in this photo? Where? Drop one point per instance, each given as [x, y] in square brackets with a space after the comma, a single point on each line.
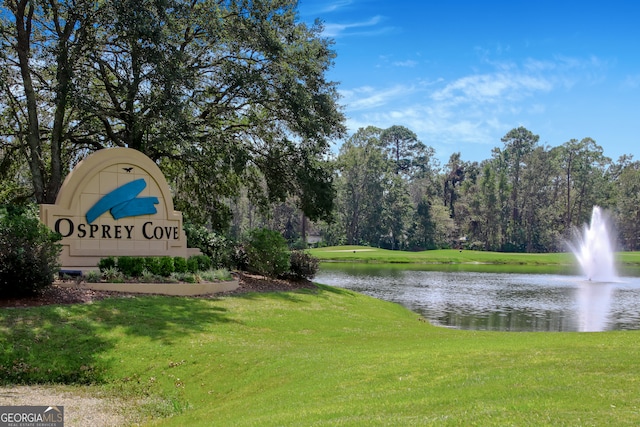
[594, 248]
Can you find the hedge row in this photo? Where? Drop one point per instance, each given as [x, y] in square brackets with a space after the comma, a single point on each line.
[164, 266]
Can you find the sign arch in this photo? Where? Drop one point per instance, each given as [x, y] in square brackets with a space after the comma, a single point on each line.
[115, 202]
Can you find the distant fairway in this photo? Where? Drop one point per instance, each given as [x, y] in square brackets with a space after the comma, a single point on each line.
[442, 256]
[454, 256]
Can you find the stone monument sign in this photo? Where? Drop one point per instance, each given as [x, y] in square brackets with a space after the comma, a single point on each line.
[115, 202]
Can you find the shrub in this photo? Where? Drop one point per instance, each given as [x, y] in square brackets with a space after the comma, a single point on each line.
[303, 265]
[131, 266]
[180, 265]
[112, 275]
[166, 266]
[212, 244]
[92, 276]
[149, 277]
[220, 274]
[239, 258]
[29, 253]
[197, 263]
[299, 244]
[106, 263]
[190, 278]
[187, 277]
[152, 265]
[192, 265]
[267, 253]
[159, 266]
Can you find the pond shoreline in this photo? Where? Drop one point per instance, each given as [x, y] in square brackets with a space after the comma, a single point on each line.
[496, 297]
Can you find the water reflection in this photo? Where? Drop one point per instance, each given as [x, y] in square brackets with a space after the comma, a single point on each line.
[494, 300]
[594, 305]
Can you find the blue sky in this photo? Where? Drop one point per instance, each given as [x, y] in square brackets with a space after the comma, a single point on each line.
[461, 74]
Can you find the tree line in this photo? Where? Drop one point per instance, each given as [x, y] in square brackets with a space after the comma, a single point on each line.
[392, 193]
[526, 198]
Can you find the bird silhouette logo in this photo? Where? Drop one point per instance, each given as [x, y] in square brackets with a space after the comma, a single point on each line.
[127, 170]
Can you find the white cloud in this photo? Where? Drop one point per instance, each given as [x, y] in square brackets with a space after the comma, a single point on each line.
[441, 124]
[408, 63]
[313, 9]
[536, 65]
[333, 30]
[366, 97]
[487, 88]
[335, 5]
[631, 82]
[475, 109]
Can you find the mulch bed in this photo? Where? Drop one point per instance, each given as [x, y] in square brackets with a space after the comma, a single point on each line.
[56, 295]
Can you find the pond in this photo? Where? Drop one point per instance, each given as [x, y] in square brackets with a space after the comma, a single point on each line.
[489, 298]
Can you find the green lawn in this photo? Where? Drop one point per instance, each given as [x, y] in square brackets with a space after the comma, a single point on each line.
[330, 357]
[447, 256]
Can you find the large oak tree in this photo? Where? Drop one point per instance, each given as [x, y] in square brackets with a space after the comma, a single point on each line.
[221, 94]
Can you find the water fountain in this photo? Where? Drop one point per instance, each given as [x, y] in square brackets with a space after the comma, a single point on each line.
[484, 297]
[594, 248]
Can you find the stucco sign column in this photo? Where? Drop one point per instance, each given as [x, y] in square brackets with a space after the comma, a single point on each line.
[115, 202]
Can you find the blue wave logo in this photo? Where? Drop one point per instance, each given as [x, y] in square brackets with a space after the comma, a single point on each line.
[123, 202]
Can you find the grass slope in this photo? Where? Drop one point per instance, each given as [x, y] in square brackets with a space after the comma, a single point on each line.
[330, 357]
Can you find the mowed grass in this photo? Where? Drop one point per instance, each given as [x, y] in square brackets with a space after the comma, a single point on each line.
[453, 256]
[324, 358]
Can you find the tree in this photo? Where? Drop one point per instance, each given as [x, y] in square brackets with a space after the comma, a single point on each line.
[628, 205]
[381, 174]
[220, 94]
[584, 167]
[433, 227]
[42, 43]
[247, 102]
[489, 209]
[396, 211]
[361, 168]
[518, 143]
[445, 228]
[454, 175]
[540, 216]
[14, 179]
[567, 156]
[423, 230]
[408, 154]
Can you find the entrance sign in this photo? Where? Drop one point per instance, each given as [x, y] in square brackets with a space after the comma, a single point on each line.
[115, 202]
